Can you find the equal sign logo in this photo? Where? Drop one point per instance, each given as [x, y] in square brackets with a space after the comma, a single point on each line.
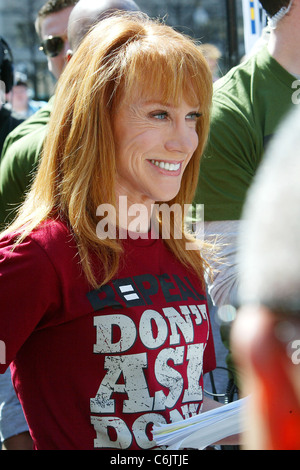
[128, 292]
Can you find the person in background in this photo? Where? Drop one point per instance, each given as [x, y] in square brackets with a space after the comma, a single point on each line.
[22, 106]
[7, 121]
[88, 13]
[51, 27]
[265, 336]
[212, 54]
[249, 103]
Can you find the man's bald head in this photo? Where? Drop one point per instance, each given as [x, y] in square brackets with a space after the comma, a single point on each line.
[89, 12]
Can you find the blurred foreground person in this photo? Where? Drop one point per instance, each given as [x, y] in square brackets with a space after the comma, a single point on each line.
[117, 336]
[266, 334]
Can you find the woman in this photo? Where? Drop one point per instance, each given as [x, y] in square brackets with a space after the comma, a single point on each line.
[110, 334]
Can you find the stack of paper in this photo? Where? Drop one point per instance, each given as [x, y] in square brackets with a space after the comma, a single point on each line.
[202, 430]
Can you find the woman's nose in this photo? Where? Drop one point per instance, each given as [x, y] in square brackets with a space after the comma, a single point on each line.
[182, 139]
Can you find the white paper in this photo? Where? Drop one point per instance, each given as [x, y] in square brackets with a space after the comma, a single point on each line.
[202, 430]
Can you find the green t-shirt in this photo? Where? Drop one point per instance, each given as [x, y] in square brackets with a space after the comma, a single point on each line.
[248, 104]
[20, 155]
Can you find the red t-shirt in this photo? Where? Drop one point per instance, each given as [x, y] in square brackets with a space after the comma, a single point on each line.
[94, 369]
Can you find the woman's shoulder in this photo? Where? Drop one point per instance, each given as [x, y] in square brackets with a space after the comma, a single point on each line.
[53, 237]
[56, 239]
[51, 231]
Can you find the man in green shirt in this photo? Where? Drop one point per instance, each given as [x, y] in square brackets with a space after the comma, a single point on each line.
[22, 146]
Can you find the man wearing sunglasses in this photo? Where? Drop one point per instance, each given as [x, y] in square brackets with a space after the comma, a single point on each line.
[51, 26]
[22, 152]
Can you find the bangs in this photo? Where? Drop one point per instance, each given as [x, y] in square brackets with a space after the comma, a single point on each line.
[167, 73]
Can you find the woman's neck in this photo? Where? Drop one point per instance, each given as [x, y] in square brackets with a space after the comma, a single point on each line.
[134, 217]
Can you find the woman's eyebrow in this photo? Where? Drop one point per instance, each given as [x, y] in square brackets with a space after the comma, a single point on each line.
[158, 103]
[167, 105]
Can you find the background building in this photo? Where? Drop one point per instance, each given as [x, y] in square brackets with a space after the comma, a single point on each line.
[219, 22]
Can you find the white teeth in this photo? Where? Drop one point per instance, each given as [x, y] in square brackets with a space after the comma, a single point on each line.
[166, 166]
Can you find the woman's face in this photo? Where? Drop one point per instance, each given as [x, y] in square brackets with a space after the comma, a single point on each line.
[154, 143]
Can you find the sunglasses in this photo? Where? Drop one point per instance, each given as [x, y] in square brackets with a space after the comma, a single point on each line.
[52, 46]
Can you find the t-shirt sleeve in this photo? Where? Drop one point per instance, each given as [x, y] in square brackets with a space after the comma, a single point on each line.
[29, 291]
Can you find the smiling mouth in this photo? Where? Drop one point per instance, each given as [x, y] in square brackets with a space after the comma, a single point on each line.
[166, 165]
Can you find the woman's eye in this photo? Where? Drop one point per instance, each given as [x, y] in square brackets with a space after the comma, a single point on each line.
[159, 115]
[194, 116]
